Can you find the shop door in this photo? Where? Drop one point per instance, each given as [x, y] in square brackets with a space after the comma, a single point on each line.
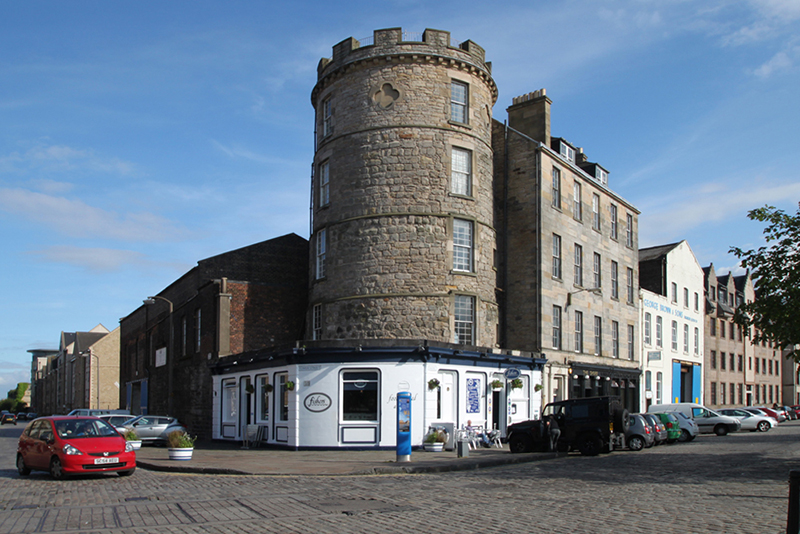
[519, 401]
[446, 400]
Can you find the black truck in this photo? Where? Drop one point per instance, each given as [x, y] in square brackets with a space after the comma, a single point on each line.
[591, 425]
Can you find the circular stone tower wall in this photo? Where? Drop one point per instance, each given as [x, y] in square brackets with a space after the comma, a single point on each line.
[402, 243]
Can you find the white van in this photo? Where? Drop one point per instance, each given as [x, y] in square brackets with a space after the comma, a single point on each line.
[707, 420]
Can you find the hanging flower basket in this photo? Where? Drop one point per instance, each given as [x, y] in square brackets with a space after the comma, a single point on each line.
[268, 388]
[496, 384]
[538, 387]
[250, 389]
[290, 385]
[516, 383]
[433, 383]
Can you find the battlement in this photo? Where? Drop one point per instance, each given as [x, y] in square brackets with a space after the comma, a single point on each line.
[395, 40]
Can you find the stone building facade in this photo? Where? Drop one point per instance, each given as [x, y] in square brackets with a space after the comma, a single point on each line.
[403, 224]
[738, 371]
[83, 373]
[568, 259]
[234, 303]
[671, 320]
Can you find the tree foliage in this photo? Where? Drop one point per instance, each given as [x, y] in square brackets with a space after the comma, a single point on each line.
[775, 269]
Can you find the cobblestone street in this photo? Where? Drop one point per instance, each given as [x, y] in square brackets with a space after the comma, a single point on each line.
[736, 483]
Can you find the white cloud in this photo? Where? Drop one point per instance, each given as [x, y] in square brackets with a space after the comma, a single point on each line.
[60, 158]
[77, 219]
[93, 259]
[781, 61]
[672, 217]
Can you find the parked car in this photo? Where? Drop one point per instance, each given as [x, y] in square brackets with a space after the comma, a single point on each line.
[95, 412]
[689, 429]
[639, 434]
[779, 416]
[153, 428]
[796, 410]
[750, 421]
[592, 425]
[707, 420]
[116, 420]
[659, 430]
[68, 445]
[790, 412]
[8, 418]
[757, 411]
[670, 421]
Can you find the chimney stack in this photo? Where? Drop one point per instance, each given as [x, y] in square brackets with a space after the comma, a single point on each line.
[530, 114]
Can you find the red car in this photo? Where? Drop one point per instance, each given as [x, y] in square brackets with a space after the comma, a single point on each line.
[65, 445]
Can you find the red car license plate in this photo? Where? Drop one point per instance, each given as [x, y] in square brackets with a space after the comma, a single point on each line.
[105, 460]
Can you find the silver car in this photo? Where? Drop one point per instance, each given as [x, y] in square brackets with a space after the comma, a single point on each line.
[153, 428]
[639, 434]
[750, 421]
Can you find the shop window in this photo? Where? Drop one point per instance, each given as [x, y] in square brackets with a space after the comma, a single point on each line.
[359, 396]
[230, 397]
[283, 396]
[262, 399]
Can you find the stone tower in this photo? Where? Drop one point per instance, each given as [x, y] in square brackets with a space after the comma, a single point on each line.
[403, 241]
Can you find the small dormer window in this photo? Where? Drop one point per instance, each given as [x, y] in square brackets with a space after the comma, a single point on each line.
[602, 176]
[567, 152]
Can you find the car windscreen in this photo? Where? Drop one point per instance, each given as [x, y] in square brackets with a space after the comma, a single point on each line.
[84, 428]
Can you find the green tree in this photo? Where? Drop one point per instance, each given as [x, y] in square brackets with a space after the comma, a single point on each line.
[775, 269]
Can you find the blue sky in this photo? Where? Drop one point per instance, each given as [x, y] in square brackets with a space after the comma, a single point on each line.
[139, 137]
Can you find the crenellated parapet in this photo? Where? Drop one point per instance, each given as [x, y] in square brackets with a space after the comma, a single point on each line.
[389, 47]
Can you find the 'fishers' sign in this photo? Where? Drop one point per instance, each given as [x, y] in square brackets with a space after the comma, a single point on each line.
[317, 402]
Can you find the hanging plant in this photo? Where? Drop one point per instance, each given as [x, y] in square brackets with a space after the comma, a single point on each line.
[496, 384]
[433, 383]
[516, 383]
[538, 387]
[290, 385]
[268, 388]
[250, 389]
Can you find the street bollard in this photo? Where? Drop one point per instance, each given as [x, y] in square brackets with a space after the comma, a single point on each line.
[793, 518]
[463, 448]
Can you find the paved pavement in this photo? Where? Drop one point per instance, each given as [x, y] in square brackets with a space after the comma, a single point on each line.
[736, 483]
[228, 458]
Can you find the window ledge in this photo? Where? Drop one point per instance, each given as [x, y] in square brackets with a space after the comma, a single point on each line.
[460, 124]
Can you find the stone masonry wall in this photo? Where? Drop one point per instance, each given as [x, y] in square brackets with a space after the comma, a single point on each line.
[390, 213]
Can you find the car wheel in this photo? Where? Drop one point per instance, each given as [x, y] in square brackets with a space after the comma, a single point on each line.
[685, 436]
[763, 426]
[635, 443]
[22, 469]
[519, 444]
[127, 473]
[56, 469]
[589, 445]
[720, 430]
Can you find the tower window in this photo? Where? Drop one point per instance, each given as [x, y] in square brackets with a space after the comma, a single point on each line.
[461, 171]
[327, 118]
[462, 245]
[464, 320]
[324, 184]
[459, 93]
[322, 246]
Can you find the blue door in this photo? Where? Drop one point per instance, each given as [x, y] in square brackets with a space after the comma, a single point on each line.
[676, 381]
[696, 382]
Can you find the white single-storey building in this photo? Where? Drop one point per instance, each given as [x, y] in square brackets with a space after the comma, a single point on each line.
[345, 396]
